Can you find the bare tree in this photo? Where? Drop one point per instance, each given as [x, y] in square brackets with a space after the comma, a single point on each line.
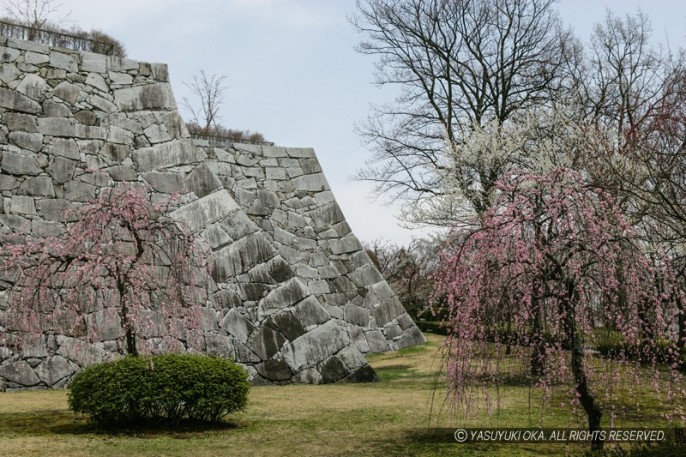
[33, 13]
[208, 90]
[408, 270]
[639, 119]
[461, 65]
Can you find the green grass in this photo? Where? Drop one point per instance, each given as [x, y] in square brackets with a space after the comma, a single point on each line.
[391, 417]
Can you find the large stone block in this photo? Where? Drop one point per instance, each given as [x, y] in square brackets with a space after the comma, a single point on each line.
[54, 369]
[159, 71]
[265, 342]
[352, 358]
[54, 209]
[18, 163]
[97, 81]
[19, 373]
[81, 352]
[38, 187]
[8, 182]
[345, 245]
[9, 54]
[78, 191]
[240, 256]
[64, 62]
[359, 340]
[9, 73]
[33, 86]
[275, 370]
[34, 58]
[202, 180]
[411, 337]
[32, 46]
[157, 96]
[356, 315]
[274, 271]
[15, 223]
[120, 79]
[90, 132]
[388, 310]
[301, 153]
[216, 237]
[377, 341]
[219, 346]
[67, 148]
[327, 215]
[366, 276]
[311, 183]
[55, 126]
[68, 92]
[315, 346]
[29, 141]
[237, 325]
[116, 63]
[165, 155]
[239, 225]
[105, 324]
[311, 312]
[122, 173]
[166, 182]
[288, 324]
[53, 109]
[20, 122]
[332, 370]
[61, 169]
[284, 296]
[91, 61]
[15, 101]
[157, 133]
[119, 135]
[207, 210]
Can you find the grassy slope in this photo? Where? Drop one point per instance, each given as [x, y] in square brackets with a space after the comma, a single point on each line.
[386, 418]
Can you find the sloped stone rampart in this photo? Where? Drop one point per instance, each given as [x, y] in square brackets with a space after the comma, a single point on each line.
[294, 297]
[286, 193]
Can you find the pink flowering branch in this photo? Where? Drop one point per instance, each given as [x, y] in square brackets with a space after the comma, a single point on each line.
[552, 264]
[121, 257]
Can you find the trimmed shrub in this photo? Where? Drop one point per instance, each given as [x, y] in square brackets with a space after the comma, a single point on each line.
[113, 392]
[198, 387]
[165, 387]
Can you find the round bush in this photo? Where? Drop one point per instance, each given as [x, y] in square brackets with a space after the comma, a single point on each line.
[112, 392]
[170, 386]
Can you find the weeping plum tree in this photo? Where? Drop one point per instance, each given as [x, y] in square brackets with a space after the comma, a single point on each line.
[553, 268]
[120, 262]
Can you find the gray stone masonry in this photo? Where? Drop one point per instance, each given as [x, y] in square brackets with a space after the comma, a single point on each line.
[294, 297]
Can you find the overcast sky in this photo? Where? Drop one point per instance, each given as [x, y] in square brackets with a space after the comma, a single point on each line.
[293, 74]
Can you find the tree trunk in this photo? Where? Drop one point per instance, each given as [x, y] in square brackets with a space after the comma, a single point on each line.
[537, 343]
[508, 347]
[126, 325]
[578, 371]
[131, 342]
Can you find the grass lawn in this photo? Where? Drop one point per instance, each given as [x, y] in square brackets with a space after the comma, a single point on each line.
[391, 418]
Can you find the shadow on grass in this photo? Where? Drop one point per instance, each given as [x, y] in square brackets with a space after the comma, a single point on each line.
[67, 423]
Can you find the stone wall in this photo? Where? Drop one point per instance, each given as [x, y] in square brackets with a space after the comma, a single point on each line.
[294, 296]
